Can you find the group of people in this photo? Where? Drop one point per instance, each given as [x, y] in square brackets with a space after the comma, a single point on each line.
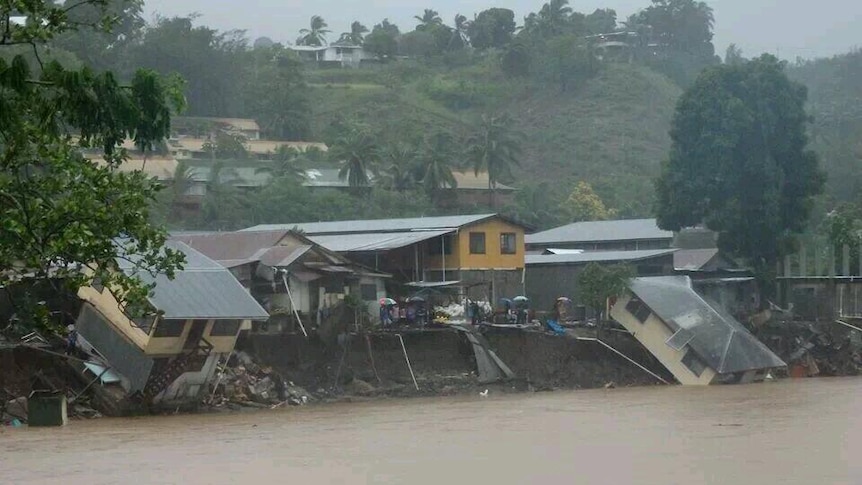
[408, 312]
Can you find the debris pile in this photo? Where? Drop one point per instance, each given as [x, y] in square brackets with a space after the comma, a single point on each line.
[241, 382]
[815, 348]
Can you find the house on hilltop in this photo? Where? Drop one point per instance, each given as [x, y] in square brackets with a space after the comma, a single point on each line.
[337, 54]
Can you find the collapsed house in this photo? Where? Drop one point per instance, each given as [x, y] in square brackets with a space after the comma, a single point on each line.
[698, 342]
[168, 359]
[301, 284]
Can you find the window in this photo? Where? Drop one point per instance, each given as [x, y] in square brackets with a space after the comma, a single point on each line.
[508, 243]
[225, 328]
[694, 364]
[477, 243]
[368, 292]
[169, 328]
[442, 246]
[638, 309]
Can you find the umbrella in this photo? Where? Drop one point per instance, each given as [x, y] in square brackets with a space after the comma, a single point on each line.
[387, 301]
[503, 301]
[416, 299]
[520, 299]
[564, 299]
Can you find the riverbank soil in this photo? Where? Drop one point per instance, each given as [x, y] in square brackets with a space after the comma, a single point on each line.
[443, 363]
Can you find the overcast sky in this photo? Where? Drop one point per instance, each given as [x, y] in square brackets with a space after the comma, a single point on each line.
[790, 28]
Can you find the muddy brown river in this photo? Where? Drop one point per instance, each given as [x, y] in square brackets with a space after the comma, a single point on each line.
[787, 432]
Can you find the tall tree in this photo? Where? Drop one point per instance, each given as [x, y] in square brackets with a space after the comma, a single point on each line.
[398, 161]
[276, 94]
[459, 39]
[121, 25]
[315, 35]
[552, 19]
[597, 283]
[739, 162]
[287, 163]
[435, 163]
[356, 34]
[584, 204]
[494, 148]
[428, 20]
[67, 218]
[382, 41]
[356, 153]
[492, 28]
[205, 58]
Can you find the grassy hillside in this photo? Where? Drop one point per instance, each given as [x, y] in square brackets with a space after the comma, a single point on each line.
[611, 131]
[835, 102]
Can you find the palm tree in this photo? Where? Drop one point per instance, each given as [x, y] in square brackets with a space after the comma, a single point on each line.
[495, 147]
[459, 32]
[287, 162]
[398, 174]
[551, 19]
[428, 19]
[434, 164]
[356, 34]
[316, 35]
[356, 152]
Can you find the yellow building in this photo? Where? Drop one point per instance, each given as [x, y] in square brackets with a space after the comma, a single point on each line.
[696, 341]
[468, 249]
[169, 358]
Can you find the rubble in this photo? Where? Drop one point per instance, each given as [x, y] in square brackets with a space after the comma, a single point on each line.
[814, 348]
[248, 384]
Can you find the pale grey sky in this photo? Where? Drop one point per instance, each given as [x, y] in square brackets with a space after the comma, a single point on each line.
[790, 28]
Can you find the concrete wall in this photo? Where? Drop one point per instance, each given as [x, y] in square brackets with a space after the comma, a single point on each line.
[653, 334]
[189, 386]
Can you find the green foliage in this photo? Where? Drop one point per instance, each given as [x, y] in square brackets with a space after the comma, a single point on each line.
[597, 283]
[276, 94]
[66, 218]
[740, 163]
[356, 152]
[315, 35]
[226, 146]
[492, 28]
[584, 204]
[495, 148]
[382, 41]
[836, 134]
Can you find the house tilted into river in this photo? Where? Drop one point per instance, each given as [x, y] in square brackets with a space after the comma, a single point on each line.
[168, 359]
[698, 342]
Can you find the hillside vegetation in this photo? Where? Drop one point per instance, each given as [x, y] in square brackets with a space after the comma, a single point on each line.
[611, 131]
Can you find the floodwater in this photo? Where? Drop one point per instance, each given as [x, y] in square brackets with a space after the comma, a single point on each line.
[787, 432]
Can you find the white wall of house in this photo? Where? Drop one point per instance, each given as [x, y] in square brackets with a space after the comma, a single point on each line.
[653, 334]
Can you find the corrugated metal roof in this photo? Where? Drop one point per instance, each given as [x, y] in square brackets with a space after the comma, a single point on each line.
[203, 289]
[283, 256]
[721, 341]
[383, 241]
[238, 247]
[376, 225]
[693, 259]
[595, 256]
[597, 231]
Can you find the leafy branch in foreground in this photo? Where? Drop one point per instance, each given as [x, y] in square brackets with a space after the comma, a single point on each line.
[67, 219]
